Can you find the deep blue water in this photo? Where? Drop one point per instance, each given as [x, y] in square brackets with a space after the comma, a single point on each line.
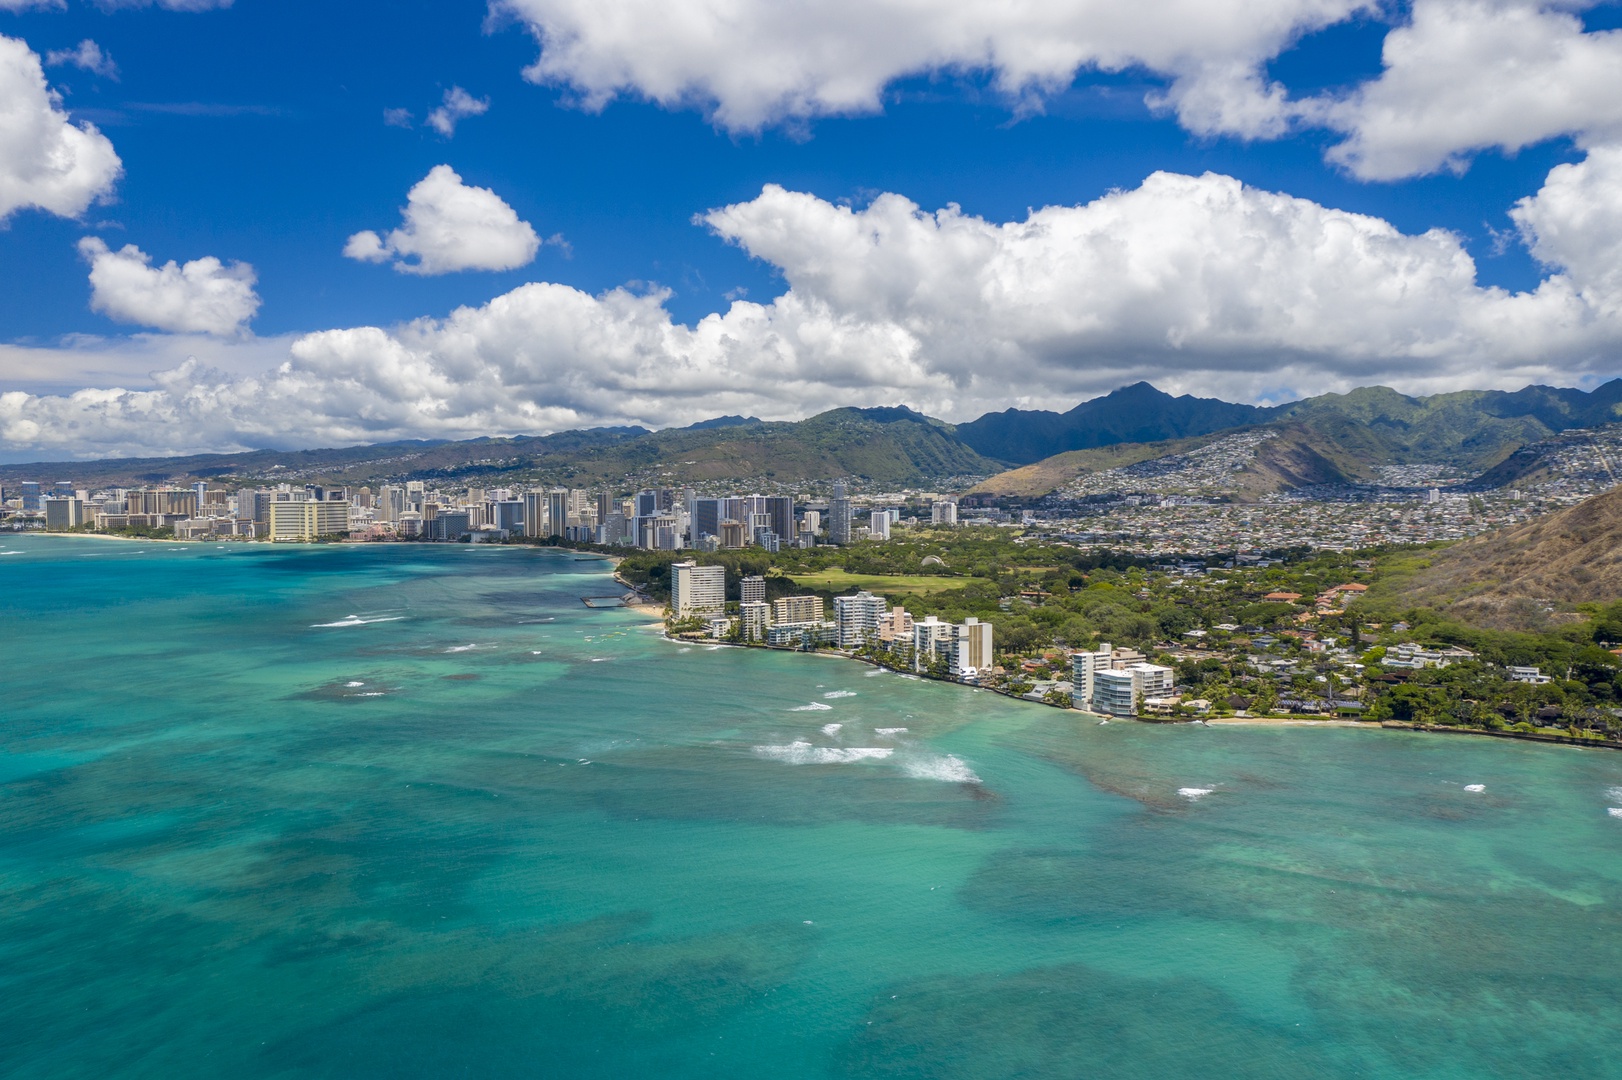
[400, 811]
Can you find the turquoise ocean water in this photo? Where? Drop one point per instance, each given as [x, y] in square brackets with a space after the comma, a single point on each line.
[402, 811]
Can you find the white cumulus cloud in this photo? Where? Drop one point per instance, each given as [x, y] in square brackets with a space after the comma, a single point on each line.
[46, 161]
[449, 226]
[754, 62]
[204, 296]
[457, 105]
[87, 56]
[1198, 283]
[1468, 75]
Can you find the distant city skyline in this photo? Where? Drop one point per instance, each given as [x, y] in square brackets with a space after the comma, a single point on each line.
[230, 225]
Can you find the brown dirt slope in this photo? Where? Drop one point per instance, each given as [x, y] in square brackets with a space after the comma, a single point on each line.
[1516, 577]
[1051, 474]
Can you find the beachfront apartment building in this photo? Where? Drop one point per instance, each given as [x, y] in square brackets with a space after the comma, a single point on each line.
[971, 652]
[307, 520]
[797, 609]
[754, 619]
[752, 589]
[1121, 691]
[858, 617]
[697, 590]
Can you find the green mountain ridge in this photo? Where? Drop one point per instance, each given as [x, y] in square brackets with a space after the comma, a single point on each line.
[1333, 438]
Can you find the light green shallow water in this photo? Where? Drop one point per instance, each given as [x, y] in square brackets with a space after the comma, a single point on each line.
[555, 845]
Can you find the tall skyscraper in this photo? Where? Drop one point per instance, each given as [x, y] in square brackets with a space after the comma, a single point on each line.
[781, 509]
[839, 521]
[536, 523]
[752, 589]
[879, 525]
[706, 518]
[557, 511]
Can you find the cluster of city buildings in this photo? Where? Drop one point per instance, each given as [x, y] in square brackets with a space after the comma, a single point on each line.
[1120, 682]
[660, 519]
[860, 621]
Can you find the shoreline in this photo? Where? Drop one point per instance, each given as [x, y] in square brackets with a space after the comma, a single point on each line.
[1226, 721]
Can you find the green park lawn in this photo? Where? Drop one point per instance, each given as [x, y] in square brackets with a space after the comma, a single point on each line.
[836, 580]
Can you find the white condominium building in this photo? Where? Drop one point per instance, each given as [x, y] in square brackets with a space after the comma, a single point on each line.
[1120, 692]
[858, 617]
[754, 618]
[697, 590]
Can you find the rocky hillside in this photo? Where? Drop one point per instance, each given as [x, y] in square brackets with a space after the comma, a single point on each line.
[1518, 578]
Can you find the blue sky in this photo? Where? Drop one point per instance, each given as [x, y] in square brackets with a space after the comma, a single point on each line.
[255, 133]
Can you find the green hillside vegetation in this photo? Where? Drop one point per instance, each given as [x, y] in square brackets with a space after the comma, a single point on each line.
[1045, 477]
[1345, 434]
[1528, 577]
[884, 447]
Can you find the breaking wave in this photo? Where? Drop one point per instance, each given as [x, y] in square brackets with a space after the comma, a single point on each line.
[831, 730]
[889, 731]
[1475, 787]
[357, 620]
[1194, 794]
[815, 706]
[839, 693]
[949, 769]
[800, 752]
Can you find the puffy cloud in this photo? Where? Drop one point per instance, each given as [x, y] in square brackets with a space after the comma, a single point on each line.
[754, 62]
[1466, 75]
[457, 105]
[204, 296]
[46, 161]
[1198, 283]
[87, 56]
[1574, 224]
[449, 226]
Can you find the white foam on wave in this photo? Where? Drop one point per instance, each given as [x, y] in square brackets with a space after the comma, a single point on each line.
[1194, 794]
[1615, 794]
[689, 648]
[601, 659]
[875, 671]
[357, 620]
[831, 730]
[839, 693]
[1475, 787]
[370, 693]
[800, 752]
[1615, 811]
[948, 769]
[815, 706]
[354, 684]
[889, 731]
[461, 648]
